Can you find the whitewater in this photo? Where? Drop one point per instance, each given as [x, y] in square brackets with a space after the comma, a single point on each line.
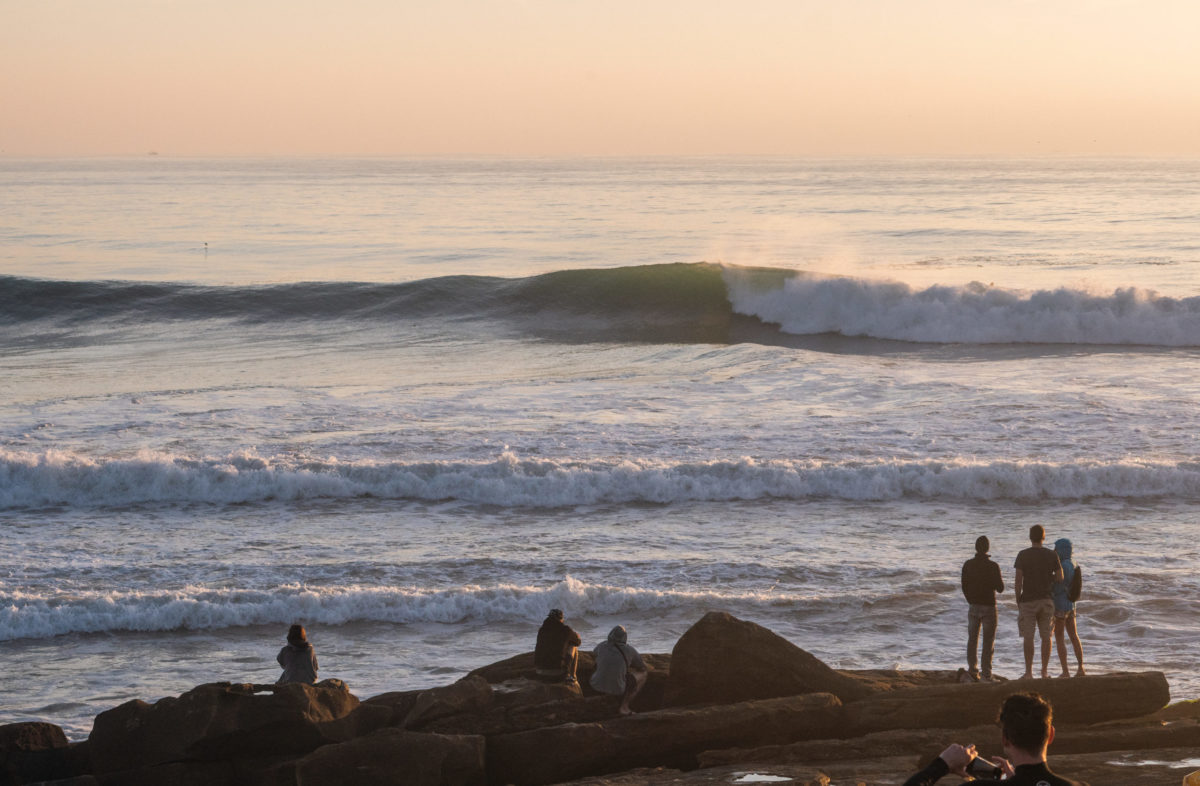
[415, 403]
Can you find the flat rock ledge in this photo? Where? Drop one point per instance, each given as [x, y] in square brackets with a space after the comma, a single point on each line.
[710, 713]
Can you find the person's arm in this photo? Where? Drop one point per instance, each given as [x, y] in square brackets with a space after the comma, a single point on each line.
[279, 658]
[997, 579]
[1017, 581]
[1058, 571]
[954, 759]
[964, 582]
[573, 638]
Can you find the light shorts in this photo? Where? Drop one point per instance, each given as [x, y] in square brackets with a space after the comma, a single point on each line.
[1039, 613]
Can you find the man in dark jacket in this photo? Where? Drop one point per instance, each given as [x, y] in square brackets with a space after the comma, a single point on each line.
[980, 583]
[557, 652]
[1026, 730]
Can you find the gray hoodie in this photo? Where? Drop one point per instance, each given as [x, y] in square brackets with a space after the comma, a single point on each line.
[615, 658]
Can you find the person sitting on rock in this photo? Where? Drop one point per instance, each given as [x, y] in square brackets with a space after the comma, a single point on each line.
[1026, 730]
[298, 659]
[620, 670]
[557, 651]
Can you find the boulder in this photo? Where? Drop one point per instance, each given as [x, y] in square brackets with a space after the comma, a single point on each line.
[395, 757]
[416, 708]
[526, 692]
[221, 721]
[668, 738]
[1090, 699]
[36, 751]
[722, 659]
[34, 736]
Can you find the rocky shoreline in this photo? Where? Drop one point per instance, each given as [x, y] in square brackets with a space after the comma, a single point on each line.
[732, 703]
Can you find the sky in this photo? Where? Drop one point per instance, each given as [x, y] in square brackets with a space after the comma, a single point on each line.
[569, 77]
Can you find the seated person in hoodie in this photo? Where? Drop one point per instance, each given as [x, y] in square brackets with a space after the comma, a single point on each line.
[620, 670]
[298, 659]
[557, 651]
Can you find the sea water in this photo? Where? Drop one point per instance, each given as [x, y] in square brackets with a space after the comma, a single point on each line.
[413, 404]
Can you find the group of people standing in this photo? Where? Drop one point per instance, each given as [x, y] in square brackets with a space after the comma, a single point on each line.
[1047, 584]
[620, 670]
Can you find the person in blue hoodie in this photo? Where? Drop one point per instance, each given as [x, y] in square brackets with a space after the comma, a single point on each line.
[1064, 594]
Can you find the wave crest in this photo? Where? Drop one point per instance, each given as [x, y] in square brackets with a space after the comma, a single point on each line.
[55, 478]
[971, 314]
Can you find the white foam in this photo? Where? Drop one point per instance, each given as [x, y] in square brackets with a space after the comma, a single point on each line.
[974, 313]
[31, 480]
[23, 615]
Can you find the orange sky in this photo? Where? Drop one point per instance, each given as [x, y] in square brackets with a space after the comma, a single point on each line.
[555, 77]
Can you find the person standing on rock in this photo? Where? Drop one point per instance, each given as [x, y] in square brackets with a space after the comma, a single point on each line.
[298, 659]
[980, 582]
[557, 651]
[620, 670]
[1026, 731]
[1065, 593]
[1037, 570]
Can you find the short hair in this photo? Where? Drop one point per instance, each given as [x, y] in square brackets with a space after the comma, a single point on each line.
[982, 544]
[555, 614]
[1037, 533]
[1025, 719]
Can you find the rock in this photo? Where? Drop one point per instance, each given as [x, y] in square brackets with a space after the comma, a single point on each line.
[1090, 699]
[221, 721]
[722, 659]
[35, 751]
[521, 666]
[526, 692]
[416, 708]
[668, 738]
[34, 736]
[394, 757]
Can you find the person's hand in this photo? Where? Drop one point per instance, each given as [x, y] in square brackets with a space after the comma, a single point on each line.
[1003, 764]
[958, 757]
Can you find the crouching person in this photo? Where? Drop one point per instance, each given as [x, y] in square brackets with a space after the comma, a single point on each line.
[620, 670]
[556, 654]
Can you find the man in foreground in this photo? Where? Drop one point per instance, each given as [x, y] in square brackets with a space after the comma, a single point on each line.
[1037, 570]
[1026, 730]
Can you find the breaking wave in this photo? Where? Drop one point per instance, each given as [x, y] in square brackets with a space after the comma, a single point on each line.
[24, 615]
[29, 480]
[699, 302]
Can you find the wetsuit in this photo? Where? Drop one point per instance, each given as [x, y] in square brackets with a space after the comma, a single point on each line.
[1026, 775]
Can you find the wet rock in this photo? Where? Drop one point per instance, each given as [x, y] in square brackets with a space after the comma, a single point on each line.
[1090, 699]
[395, 757]
[221, 721]
[668, 738]
[722, 659]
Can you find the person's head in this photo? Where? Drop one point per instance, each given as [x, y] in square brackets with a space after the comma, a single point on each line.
[1037, 533]
[618, 635]
[982, 544]
[1026, 721]
[555, 614]
[1062, 547]
[297, 636]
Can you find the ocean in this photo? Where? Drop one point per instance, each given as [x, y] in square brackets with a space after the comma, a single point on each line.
[415, 403]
